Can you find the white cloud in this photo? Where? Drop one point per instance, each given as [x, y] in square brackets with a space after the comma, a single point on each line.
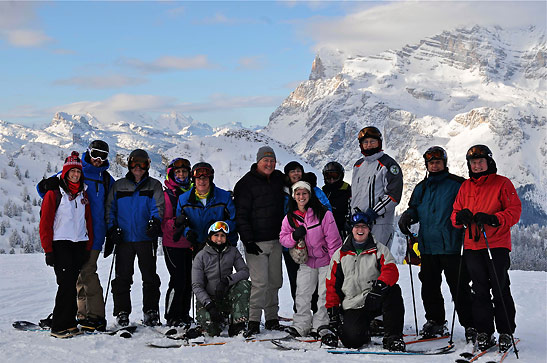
[100, 82]
[254, 62]
[26, 37]
[19, 25]
[170, 63]
[394, 25]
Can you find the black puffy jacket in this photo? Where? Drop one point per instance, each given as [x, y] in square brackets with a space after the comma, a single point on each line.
[259, 205]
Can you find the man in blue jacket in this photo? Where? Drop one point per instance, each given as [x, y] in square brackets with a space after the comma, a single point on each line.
[439, 244]
[134, 210]
[91, 310]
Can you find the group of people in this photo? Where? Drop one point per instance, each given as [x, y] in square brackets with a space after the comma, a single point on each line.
[348, 276]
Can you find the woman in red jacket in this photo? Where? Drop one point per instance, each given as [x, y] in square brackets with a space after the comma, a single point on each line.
[66, 234]
[488, 202]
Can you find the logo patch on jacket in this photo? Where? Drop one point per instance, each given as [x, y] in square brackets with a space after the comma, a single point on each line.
[394, 169]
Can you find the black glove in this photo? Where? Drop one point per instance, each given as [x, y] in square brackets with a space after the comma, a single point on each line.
[486, 219]
[113, 237]
[222, 288]
[153, 229]
[405, 222]
[181, 221]
[252, 248]
[50, 259]
[375, 297]
[192, 237]
[299, 233]
[216, 316]
[50, 183]
[371, 215]
[465, 217]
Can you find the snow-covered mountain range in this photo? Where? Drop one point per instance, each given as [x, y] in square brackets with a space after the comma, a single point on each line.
[455, 89]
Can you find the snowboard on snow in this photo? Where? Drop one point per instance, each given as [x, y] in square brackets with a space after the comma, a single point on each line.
[124, 332]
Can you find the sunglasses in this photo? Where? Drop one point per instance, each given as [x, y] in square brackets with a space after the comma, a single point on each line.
[98, 154]
[202, 173]
[140, 162]
[477, 152]
[369, 132]
[179, 163]
[435, 154]
[219, 226]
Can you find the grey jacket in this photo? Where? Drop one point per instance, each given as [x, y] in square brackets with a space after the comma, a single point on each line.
[377, 183]
[210, 266]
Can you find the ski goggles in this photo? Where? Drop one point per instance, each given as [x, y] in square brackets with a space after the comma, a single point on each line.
[435, 154]
[97, 154]
[219, 226]
[331, 175]
[143, 163]
[202, 173]
[179, 163]
[477, 152]
[369, 132]
[360, 217]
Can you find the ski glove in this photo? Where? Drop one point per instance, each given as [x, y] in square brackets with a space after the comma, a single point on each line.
[252, 248]
[486, 219]
[405, 222]
[216, 316]
[181, 222]
[50, 259]
[153, 230]
[113, 237]
[222, 288]
[50, 183]
[371, 215]
[299, 233]
[465, 217]
[374, 299]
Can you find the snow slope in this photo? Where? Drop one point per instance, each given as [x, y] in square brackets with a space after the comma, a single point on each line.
[27, 291]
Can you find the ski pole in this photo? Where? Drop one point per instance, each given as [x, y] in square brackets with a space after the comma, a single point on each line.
[457, 290]
[412, 285]
[110, 275]
[499, 289]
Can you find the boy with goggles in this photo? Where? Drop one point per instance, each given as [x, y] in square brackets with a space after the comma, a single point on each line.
[222, 296]
[439, 244]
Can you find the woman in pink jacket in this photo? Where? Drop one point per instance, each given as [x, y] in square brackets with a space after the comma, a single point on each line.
[308, 219]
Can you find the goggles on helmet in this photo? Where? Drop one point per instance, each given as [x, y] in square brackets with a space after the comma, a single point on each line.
[143, 163]
[97, 154]
[219, 226]
[369, 132]
[179, 163]
[359, 217]
[477, 152]
[202, 173]
[435, 154]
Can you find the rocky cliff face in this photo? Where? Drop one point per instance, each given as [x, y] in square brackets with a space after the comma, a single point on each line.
[455, 89]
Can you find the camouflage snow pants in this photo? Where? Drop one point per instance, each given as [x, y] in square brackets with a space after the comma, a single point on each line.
[235, 307]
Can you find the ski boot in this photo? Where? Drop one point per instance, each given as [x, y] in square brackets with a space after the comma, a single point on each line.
[151, 318]
[122, 319]
[470, 335]
[253, 328]
[485, 341]
[92, 324]
[235, 329]
[273, 324]
[46, 323]
[394, 343]
[67, 333]
[432, 329]
[376, 328]
[292, 332]
[505, 342]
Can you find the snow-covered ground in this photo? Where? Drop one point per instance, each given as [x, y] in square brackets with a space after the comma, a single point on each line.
[27, 290]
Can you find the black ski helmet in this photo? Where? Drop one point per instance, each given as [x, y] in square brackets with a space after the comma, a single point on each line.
[333, 167]
[435, 153]
[99, 145]
[370, 131]
[140, 157]
[210, 172]
[481, 151]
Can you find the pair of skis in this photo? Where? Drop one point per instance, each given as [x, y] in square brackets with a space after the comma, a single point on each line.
[490, 355]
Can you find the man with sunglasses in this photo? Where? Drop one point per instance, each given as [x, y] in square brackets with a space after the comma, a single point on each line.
[487, 204]
[91, 309]
[134, 210]
[439, 244]
[376, 185]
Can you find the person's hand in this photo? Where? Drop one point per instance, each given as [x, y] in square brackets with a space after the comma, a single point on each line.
[50, 259]
[153, 229]
[181, 221]
[405, 222]
[192, 237]
[299, 233]
[486, 219]
[464, 216]
[222, 288]
[371, 215]
[216, 315]
[375, 297]
[253, 248]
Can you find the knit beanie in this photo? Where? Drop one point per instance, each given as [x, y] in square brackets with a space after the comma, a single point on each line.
[73, 161]
[265, 151]
[300, 185]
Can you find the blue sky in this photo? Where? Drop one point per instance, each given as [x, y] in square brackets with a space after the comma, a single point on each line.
[217, 62]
